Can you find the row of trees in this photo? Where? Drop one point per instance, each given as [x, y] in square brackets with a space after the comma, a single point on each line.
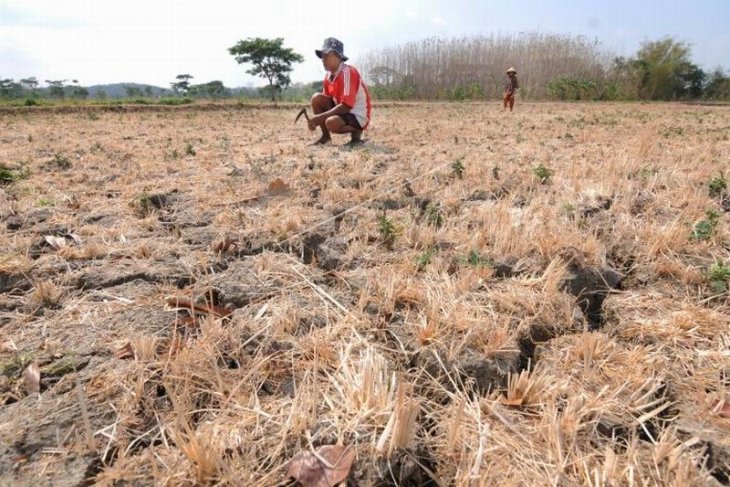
[59, 89]
[549, 65]
[279, 86]
[31, 90]
[9, 88]
[267, 58]
[474, 67]
[212, 89]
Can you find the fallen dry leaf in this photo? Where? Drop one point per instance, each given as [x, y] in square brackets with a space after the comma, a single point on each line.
[55, 242]
[511, 402]
[278, 187]
[310, 471]
[125, 352]
[32, 378]
[204, 309]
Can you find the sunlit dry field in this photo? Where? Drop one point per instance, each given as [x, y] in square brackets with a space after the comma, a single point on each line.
[471, 298]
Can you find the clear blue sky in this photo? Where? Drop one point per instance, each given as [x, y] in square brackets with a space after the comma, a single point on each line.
[619, 24]
[151, 41]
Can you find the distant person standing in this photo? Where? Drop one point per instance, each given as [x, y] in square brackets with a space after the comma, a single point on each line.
[343, 106]
[510, 86]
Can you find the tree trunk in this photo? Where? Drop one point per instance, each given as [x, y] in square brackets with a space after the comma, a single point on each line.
[271, 89]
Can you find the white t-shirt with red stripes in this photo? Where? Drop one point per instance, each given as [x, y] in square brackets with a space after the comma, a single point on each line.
[346, 86]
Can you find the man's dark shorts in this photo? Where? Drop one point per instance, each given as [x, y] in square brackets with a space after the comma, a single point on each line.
[350, 120]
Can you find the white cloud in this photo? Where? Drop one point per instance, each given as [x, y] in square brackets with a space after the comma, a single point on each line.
[151, 42]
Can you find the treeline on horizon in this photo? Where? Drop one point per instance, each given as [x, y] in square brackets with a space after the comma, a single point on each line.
[550, 67]
[28, 91]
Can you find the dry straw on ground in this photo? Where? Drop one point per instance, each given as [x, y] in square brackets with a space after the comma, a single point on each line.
[468, 299]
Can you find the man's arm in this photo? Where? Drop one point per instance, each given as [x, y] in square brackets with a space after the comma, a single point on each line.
[317, 120]
[336, 110]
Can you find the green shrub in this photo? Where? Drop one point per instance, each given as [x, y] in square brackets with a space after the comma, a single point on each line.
[175, 101]
[572, 89]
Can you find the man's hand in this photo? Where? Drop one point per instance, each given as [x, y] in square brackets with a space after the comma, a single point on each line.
[315, 122]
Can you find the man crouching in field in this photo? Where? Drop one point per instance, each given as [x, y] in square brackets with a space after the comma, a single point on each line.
[343, 107]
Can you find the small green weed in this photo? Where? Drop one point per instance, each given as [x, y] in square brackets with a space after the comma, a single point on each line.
[433, 215]
[424, 259]
[387, 231]
[474, 259]
[643, 173]
[61, 162]
[189, 149]
[8, 175]
[704, 229]
[542, 173]
[719, 275]
[457, 168]
[717, 186]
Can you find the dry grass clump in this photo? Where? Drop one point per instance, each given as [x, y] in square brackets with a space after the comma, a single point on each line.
[15, 264]
[438, 301]
[651, 318]
[45, 294]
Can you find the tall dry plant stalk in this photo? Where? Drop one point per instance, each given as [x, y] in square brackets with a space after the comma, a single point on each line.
[433, 68]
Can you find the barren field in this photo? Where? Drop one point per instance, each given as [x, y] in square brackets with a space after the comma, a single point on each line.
[471, 298]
